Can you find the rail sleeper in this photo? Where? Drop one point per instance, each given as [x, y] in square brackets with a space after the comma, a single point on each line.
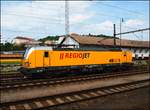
[69, 98]
[38, 104]
[93, 93]
[101, 92]
[59, 100]
[86, 95]
[27, 106]
[50, 102]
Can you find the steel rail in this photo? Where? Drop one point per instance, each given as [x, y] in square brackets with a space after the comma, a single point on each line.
[61, 99]
[42, 82]
[17, 75]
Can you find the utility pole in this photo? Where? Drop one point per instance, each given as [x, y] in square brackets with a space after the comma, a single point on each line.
[121, 20]
[66, 23]
[66, 18]
[114, 35]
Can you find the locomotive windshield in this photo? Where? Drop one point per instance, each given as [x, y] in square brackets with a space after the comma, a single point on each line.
[26, 52]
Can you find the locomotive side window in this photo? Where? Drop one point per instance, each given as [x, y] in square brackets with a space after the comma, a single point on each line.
[45, 54]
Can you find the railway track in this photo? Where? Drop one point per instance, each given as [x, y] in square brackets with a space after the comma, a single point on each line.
[27, 82]
[15, 74]
[9, 70]
[57, 100]
[50, 83]
[10, 76]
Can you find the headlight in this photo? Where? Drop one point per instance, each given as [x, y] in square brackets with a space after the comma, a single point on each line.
[26, 64]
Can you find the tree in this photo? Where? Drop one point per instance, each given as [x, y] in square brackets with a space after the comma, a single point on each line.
[11, 47]
[49, 38]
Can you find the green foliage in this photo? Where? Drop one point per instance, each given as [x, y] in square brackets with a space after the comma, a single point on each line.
[10, 63]
[148, 62]
[49, 38]
[11, 47]
[101, 35]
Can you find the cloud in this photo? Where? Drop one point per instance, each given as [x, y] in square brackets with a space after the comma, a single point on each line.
[78, 18]
[133, 22]
[104, 27]
[34, 13]
[48, 17]
[12, 21]
[25, 15]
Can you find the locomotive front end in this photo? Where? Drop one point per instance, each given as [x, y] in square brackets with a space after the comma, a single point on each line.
[25, 64]
[35, 60]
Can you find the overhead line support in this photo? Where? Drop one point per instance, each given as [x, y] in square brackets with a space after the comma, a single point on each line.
[133, 31]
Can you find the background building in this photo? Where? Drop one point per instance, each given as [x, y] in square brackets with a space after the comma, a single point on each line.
[140, 49]
[25, 40]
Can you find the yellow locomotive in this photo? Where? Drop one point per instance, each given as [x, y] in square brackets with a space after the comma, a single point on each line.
[44, 59]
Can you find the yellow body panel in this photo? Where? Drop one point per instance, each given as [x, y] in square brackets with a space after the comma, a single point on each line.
[72, 58]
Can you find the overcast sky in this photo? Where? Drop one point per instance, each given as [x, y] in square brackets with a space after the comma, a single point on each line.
[38, 19]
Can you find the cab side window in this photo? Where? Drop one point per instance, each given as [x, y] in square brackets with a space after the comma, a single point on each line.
[45, 54]
[125, 54]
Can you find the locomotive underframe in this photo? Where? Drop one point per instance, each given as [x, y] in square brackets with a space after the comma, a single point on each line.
[53, 70]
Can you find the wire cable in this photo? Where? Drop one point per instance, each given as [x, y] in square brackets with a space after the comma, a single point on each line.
[127, 10]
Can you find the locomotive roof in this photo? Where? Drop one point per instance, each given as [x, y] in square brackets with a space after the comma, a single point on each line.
[73, 49]
[86, 49]
[31, 49]
[42, 48]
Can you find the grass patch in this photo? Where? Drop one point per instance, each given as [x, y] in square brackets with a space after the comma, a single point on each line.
[148, 62]
[10, 63]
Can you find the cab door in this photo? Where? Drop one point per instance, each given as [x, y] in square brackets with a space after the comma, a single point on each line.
[46, 59]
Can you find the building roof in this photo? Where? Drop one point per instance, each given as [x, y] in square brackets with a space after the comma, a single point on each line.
[24, 38]
[27, 41]
[108, 41]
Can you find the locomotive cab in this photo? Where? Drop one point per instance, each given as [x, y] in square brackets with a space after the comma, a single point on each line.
[36, 57]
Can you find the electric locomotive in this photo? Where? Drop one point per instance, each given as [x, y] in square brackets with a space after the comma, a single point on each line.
[43, 59]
